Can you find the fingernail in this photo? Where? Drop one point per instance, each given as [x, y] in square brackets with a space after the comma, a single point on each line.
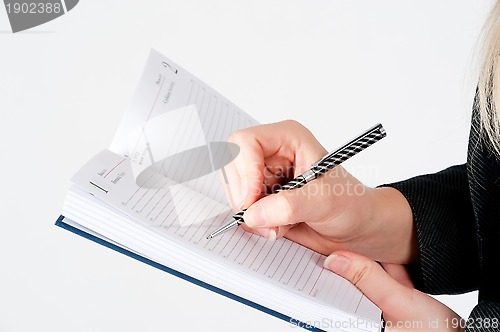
[268, 233]
[256, 216]
[272, 235]
[337, 263]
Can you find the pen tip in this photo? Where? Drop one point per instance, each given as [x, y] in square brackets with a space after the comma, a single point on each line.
[209, 237]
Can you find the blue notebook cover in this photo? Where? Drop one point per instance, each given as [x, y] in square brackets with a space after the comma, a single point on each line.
[60, 222]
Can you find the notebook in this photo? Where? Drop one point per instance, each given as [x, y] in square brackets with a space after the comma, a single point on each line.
[159, 190]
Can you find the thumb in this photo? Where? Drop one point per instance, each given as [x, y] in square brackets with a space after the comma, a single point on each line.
[388, 294]
[290, 207]
[272, 211]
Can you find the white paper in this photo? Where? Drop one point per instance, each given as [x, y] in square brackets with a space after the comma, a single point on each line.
[164, 171]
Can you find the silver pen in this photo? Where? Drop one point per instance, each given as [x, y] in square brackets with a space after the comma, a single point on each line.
[329, 161]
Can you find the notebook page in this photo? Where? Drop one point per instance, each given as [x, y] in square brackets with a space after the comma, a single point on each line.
[177, 120]
[282, 262]
[94, 214]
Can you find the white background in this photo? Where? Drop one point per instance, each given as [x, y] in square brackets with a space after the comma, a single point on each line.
[337, 66]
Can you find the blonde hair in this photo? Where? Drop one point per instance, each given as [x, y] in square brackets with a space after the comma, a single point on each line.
[489, 81]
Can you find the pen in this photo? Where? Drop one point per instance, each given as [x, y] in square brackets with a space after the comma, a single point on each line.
[329, 161]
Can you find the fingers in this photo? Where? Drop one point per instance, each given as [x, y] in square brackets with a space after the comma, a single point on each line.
[388, 294]
[270, 233]
[403, 307]
[248, 169]
[232, 186]
[277, 146]
[250, 160]
[268, 155]
[315, 202]
[284, 208]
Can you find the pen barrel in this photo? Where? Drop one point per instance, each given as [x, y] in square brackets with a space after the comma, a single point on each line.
[296, 183]
[348, 151]
[239, 217]
[336, 158]
[328, 162]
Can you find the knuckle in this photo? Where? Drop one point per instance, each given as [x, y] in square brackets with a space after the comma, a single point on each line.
[236, 136]
[360, 275]
[298, 128]
[292, 123]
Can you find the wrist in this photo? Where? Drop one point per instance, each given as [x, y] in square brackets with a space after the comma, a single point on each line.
[393, 218]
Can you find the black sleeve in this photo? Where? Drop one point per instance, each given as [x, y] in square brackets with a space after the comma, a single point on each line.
[442, 212]
[484, 317]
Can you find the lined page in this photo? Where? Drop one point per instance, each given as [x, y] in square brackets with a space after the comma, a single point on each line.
[176, 210]
[173, 252]
[175, 122]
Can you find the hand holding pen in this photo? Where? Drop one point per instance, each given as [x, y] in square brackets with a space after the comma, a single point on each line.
[319, 168]
[267, 157]
[333, 211]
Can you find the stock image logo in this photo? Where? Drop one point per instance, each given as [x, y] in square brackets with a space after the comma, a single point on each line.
[24, 15]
